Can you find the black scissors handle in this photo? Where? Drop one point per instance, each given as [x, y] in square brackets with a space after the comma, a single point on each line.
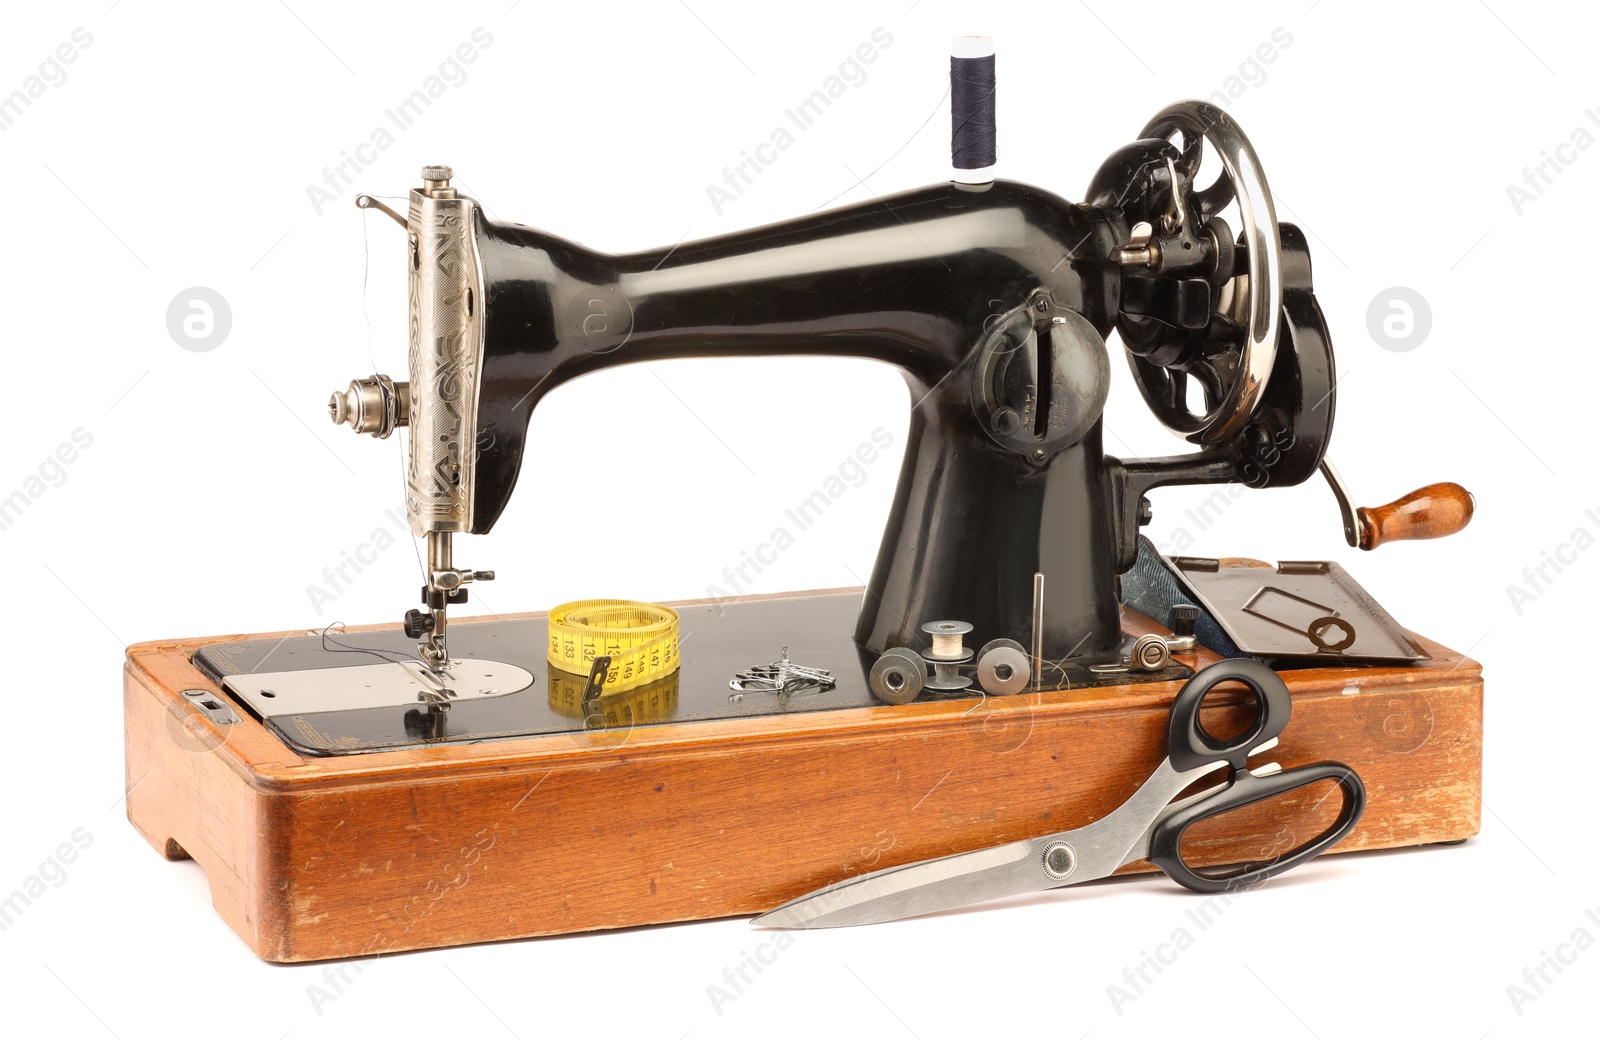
[1189, 746]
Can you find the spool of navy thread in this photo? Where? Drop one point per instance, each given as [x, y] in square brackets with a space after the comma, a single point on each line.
[972, 124]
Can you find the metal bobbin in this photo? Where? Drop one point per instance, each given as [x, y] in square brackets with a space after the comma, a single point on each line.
[1003, 667]
[897, 677]
[947, 654]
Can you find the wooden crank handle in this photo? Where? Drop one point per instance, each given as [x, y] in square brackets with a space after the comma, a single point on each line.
[1427, 513]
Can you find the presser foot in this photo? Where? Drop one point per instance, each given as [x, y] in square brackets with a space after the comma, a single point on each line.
[434, 655]
[446, 585]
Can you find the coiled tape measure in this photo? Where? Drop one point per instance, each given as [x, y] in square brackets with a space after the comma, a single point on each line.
[640, 639]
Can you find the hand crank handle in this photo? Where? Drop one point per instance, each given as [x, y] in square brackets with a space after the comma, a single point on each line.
[1427, 513]
[1431, 512]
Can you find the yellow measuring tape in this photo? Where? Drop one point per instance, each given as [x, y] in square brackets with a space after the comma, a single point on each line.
[641, 639]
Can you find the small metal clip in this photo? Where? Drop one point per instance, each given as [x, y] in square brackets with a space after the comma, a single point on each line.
[594, 717]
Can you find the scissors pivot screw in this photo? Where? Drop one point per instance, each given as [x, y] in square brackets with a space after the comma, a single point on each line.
[1059, 860]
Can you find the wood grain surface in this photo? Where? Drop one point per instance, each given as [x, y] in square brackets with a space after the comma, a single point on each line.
[1432, 512]
[358, 855]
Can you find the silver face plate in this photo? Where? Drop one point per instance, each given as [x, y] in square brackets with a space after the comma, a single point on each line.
[373, 686]
[445, 356]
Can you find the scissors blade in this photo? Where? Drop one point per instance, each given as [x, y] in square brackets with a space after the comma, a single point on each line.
[1012, 869]
[916, 889]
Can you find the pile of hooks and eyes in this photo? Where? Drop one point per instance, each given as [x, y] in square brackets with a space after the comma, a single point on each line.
[782, 677]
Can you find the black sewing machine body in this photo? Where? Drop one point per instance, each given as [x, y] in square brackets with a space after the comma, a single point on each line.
[988, 298]
[994, 299]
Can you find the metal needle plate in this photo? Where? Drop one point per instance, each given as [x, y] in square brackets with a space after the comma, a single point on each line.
[372, 686]
[1304, 609]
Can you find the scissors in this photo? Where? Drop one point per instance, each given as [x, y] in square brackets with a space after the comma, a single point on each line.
[1149, 826]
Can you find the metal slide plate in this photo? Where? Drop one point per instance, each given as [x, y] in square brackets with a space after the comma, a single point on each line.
[1303, 610]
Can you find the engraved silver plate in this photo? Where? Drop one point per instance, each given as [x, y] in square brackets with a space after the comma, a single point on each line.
[373, 686]
[445, 354]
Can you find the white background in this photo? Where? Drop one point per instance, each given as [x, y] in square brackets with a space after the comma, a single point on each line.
[177, 153]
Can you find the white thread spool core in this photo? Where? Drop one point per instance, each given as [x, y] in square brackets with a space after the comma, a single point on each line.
[972, 47]
[945, 640]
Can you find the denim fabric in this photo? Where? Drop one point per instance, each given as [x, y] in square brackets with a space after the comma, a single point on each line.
[1152, 589]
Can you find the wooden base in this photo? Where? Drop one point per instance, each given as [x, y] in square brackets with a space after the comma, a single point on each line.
[359, 855]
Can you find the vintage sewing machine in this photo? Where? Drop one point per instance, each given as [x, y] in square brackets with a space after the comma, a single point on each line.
[461, 779]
